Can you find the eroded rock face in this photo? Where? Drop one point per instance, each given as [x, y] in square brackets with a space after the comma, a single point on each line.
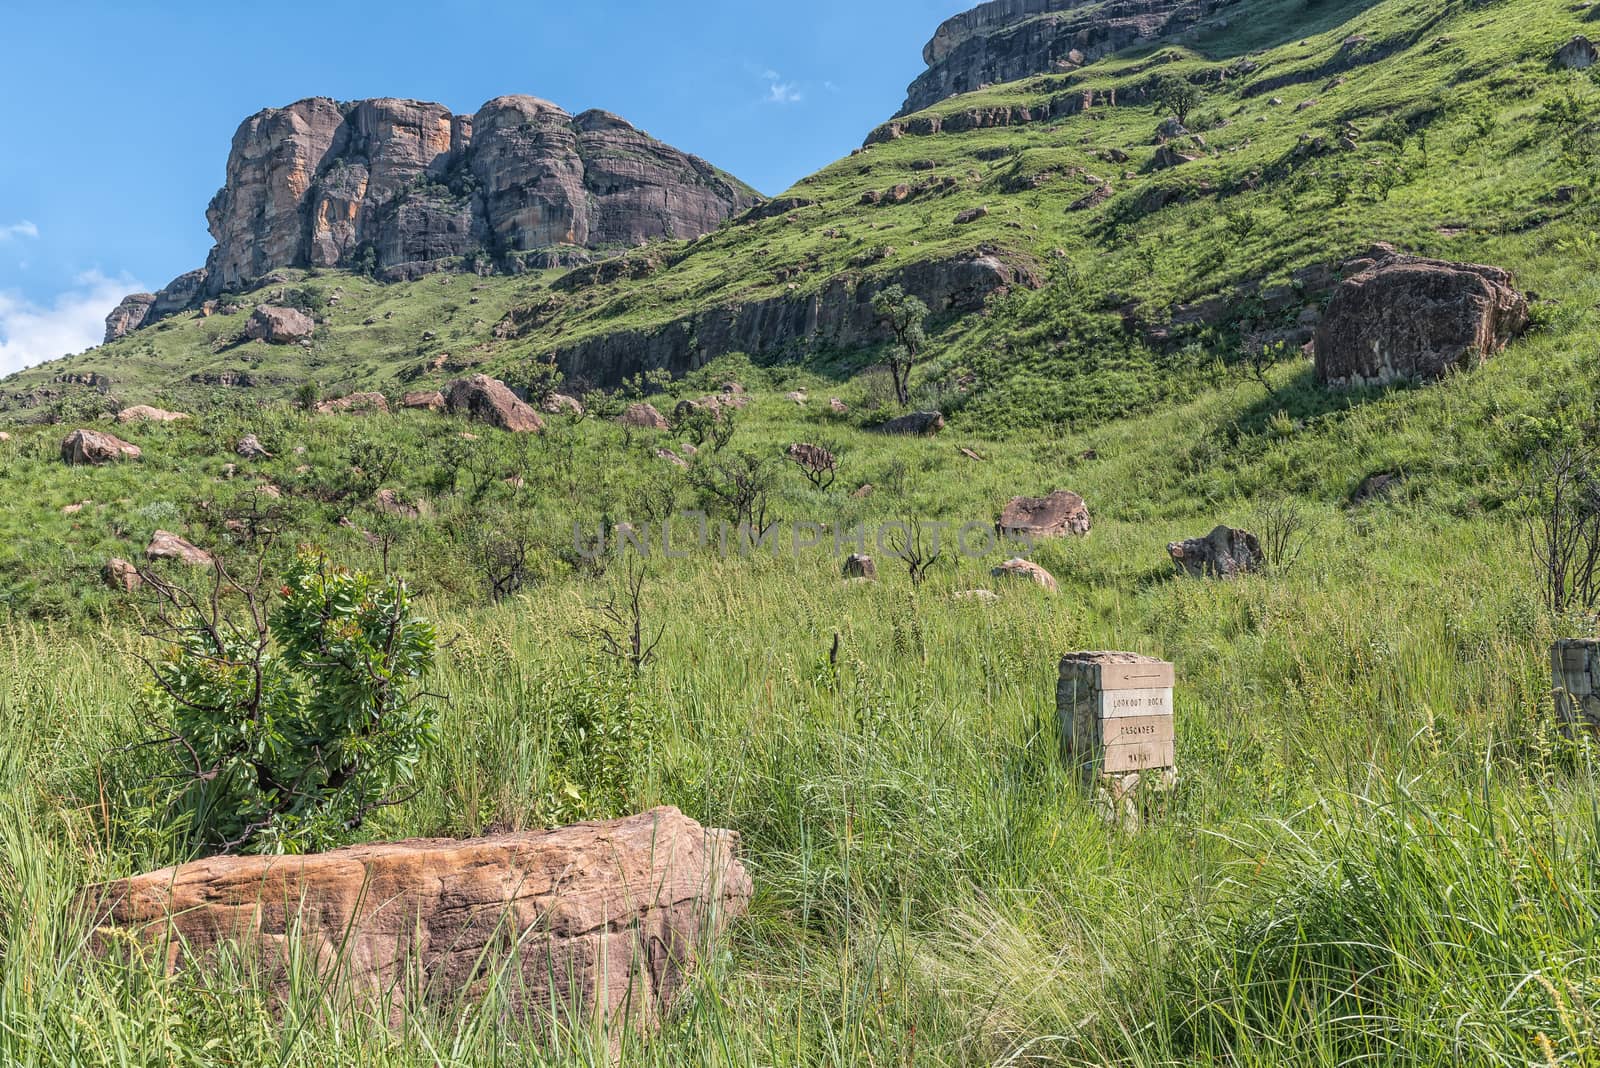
[1224, 553]
[279, 326]
[1005, 40]
[95, 447]
[1060, 514]
[1405, 319]
[612, 915]
[321, 184]
[489, 400]
[129, 316]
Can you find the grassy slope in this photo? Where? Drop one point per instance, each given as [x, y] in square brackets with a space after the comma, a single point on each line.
[1376, 851]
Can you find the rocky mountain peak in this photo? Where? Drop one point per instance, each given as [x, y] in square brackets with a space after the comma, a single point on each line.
[404, 187]
[1004, 40]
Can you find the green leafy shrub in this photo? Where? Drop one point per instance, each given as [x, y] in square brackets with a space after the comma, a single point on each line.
[294, 728]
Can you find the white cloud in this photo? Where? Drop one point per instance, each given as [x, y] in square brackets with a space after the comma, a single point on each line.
[780, 91]
[74, 321]
[18, 229]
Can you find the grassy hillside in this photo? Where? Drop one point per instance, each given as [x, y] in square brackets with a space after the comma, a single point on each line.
[1378, 850]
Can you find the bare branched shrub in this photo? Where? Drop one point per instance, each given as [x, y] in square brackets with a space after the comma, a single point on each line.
[742, 486]
[619, 628]
[819, 463]
[917, 548]
[1563, 525]
[1283, 533]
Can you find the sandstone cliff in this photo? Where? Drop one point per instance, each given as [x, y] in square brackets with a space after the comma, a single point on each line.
[1004, 40]
[399, 187]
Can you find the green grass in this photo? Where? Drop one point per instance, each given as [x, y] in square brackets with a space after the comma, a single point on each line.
[1377, 851]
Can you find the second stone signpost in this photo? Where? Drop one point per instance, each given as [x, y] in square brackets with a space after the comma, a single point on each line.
[1115, 712]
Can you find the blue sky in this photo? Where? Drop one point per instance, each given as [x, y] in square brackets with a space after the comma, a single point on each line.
[118, 116]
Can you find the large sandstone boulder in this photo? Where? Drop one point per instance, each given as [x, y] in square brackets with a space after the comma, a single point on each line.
[96, 447]
[609, 918]
[165, 545]
[1055, 516]
[489, 400]
[143, 413]
[643, 417]
[1578, 54]
[279, 326]
[1405, 319]
[1224, 553]
[355, 402]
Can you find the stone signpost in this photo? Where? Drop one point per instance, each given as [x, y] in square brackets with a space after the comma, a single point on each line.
[1116, 720]
[1575, 668]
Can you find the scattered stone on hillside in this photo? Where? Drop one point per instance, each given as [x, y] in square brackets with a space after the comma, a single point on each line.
[972, 215]
[279, 326]
[1026, 570]
[1224, 553]
[1380, 486]
[1097, 196]
[1058, 515]
[923, 423]
[561, 404]
[121, 575]
[355, 402]
[96, 447]
[423, 400]
[860, 566]
[731, 386]
[250, 448]
[488, 400]
[4, 437]
[610, 917]
[1578, 54]
[1167, 157]
[672, 458]
[837, 406]
[390, 502]
[643, 417]
[165, 545]
[74, 509]
[1305, 105]
[267, 489]
[143, 413]
[1407, 319]
[971, 455]
[980, 596]
[798, 397]
[863, 492]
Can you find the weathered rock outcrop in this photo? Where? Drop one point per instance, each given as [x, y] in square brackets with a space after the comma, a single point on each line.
[1005, 40]
[608, 918]
[144, 413]
[1060, 514]
[489, 400]
[95, 447]
[279, 326]
[401, 186]
[1405, 319]
[165, 545]
[838, 315]
[1224, 553]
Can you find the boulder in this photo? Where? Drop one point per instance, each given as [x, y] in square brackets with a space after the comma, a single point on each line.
[672, 458]
[423, 400]
[279, 326]
[1224, 553]
[837, 406]
[488, 400]
[1026, 570]
[561, 404]
[165, 545]
[4, 437]
[96, 447]
[250, 448]
[391, 503]
[609, 919]
[1577, 54]
[643, 417]
[143, 413]
[355, 402]
[121, 575]
[859, 566]
[1405, 319]
[971, 215]
[1167, 157]
[798, 397]
[923, 423]
[1380, 486]
[1055, 516]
